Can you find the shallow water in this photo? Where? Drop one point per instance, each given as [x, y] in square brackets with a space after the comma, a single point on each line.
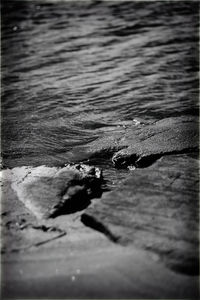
[72, 70]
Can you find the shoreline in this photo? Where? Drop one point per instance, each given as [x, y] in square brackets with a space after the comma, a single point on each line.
[137, 240]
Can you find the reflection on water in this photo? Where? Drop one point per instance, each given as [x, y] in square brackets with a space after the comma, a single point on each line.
[72, 70]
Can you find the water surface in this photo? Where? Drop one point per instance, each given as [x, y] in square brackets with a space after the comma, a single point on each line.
[73, 70]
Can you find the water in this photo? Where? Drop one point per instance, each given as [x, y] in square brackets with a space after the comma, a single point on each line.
[73, 70]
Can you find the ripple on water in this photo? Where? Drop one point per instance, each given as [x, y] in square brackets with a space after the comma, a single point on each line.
[71, 70]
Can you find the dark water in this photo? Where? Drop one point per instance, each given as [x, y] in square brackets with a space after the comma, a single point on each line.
[72, 70]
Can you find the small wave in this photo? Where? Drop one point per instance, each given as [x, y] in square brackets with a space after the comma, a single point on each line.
[72, 70]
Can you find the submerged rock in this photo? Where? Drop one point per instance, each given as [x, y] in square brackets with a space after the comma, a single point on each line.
[48, 192]
[143, 144]
[154, 209]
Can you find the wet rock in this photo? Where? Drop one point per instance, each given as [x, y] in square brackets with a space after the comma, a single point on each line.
[48, 192]
[154, 209]
[142, 144]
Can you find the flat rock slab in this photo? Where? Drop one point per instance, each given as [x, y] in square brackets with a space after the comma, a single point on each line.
[19, 238]
[154, 209]
[48, 192]
[30, 196]
[20, 229]
[110, 272]
[141, 144]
